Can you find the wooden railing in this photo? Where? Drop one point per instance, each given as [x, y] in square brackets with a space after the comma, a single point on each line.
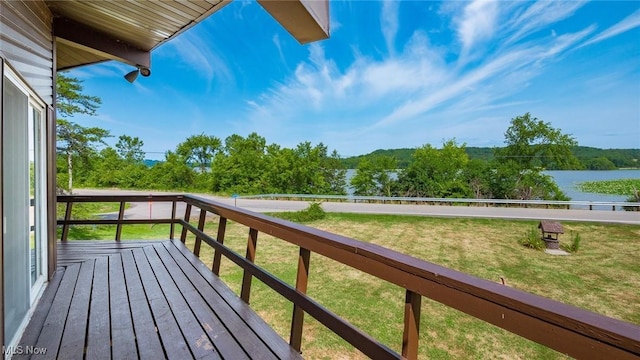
[567, 329]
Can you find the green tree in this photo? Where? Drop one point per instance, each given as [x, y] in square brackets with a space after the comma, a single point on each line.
[335, 173]
[279, 174]
[248, 165]
[436, 172]
[113, 168]
[530, 146]
[130, 149]
[74, 140]
[600, 163]
[171, 174]
[200, 150]
[240, 167]
[533, 143]
[478, 175]
[108, 169]
[306, 169]
[373, 176]
[70, 100]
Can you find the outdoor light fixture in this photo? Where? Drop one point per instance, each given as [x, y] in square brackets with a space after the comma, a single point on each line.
[132, 76]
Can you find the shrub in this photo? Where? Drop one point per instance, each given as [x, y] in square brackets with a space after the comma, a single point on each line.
[313, 212]
[575, 243]
[635, 197]
[532, 239]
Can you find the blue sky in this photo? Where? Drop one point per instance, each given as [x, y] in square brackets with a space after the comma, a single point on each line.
[393, 74]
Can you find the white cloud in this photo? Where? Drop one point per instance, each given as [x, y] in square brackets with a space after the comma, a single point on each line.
[456, 86]
[198, 53]
[276, 42]
[389, 23]
[524, 22]
[630, 22]
[477, 23]
[563, 42]
[423, 93]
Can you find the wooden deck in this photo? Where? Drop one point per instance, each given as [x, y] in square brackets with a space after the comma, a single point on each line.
[147, 300]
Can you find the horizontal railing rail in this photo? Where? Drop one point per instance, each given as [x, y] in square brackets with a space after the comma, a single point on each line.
[578, 204]
[570, 330]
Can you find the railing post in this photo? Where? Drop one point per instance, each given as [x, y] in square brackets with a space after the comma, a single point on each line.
[173, 217]
[297, 319]
[187, 216]
[252, 242]
[217, 255]
[198, 243]
[67, 217]
[411, 332]
[120, 217]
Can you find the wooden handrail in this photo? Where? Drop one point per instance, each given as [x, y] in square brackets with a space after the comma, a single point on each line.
[576, 332]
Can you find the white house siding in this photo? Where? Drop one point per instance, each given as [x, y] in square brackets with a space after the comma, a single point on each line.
[26, 42]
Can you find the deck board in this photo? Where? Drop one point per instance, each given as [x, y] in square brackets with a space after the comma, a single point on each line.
[223, 340]
[34, 328]
[123, 344]
[146, 335]
[197, 340]
[54, 325]
[71, 252]
[145, 300]
[168, 328]
[256, 334]
[73, 340]
[99, 327]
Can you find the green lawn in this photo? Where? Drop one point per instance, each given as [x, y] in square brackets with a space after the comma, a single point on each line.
[88, 210]
[603, 277]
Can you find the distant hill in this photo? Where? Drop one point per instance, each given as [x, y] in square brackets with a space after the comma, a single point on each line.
[150, 163]
[402, 155]
[621, 158]
[591, 158]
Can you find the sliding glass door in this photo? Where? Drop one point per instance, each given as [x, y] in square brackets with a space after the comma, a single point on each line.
[23, 201]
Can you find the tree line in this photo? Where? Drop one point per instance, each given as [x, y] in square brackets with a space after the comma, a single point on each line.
[514, 172]
[243, 165]
[248, 165]
[589, 158]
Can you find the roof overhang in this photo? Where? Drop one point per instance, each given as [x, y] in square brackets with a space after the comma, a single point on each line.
[305, 20]
[72, 36]
[89, 31]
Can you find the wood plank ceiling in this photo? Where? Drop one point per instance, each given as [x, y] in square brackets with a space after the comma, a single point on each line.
[86, 31]
[90, 31]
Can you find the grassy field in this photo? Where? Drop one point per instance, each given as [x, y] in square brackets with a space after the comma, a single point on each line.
[603, 276]
[89, 209]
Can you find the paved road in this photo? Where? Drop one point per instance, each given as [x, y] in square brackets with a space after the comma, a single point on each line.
[159, 210]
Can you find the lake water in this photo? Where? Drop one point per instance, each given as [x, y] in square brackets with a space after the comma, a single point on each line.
[567, 180]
